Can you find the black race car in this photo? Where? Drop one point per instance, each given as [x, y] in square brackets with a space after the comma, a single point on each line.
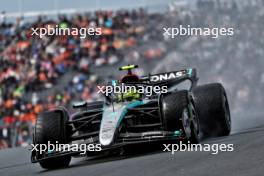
[184, 112]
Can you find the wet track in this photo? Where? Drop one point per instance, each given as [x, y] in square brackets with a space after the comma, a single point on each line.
[246, 159]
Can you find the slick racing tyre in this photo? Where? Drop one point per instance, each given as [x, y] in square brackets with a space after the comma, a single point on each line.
[51, 126]
[179, 114]
[213, 110]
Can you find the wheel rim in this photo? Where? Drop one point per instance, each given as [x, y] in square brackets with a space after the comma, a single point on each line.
[186, 122]
[195, 122]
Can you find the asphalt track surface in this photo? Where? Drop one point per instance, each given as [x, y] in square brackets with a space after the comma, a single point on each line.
[247, 159]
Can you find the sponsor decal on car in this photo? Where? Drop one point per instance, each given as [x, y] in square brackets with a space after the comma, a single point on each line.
[167, 76]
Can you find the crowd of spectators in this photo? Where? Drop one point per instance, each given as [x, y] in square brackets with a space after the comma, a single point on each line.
[30, 64]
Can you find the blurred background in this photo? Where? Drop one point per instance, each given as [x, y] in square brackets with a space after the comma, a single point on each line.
[36, 74]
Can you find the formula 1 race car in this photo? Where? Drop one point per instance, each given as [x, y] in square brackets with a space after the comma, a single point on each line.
[184, 111]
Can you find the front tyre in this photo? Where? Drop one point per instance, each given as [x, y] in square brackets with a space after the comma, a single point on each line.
[51, 126]
[195, 124]
[179, 114]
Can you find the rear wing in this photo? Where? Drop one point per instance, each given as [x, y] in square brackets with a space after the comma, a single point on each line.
[173, 78]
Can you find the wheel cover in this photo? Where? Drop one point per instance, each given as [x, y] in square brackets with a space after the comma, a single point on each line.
[186, 122]
[195, 121]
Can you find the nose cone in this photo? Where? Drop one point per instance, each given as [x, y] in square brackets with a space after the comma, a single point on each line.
[110, 121]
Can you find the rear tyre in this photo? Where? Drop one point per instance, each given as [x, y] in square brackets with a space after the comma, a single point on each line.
[51, 126]
[179, 114]
[213, 110]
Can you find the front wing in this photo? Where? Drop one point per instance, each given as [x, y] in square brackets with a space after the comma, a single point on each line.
[122, 140]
